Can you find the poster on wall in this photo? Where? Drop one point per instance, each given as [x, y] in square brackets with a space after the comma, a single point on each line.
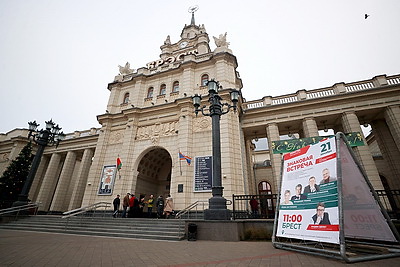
[308, 208]
[203, 174]
[107, 180]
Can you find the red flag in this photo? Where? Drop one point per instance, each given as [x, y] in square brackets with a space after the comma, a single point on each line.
[119, 164]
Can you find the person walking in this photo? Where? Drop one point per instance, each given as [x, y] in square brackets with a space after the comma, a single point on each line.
[125, 205]
[141, 205]
[160, 206]
[116, 203]
[169, 206]
[150, 203]
[132, 200]
[254, 207]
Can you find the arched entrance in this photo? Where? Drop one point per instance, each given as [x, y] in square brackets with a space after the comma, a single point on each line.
[154, 173]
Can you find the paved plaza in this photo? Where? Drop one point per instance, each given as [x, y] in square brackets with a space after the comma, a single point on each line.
[23, 248]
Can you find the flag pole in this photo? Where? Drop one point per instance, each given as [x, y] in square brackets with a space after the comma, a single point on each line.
[180, 166]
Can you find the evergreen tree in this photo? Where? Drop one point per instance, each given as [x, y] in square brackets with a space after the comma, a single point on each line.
[14, 177]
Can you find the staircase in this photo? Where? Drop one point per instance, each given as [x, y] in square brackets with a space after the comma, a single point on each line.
[140, 228]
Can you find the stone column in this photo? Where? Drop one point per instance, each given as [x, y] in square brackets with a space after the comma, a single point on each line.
[82, 175]
[276, 159]
[90, 195]
[125, 181]
[181, 173]
[389, 152]
[392, 117]
[350, 124]
[34, 191]
[310, 127]
[250, 169]
[49, 182]
[60, 203]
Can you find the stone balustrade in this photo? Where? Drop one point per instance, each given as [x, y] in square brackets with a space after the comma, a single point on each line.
[340, 88]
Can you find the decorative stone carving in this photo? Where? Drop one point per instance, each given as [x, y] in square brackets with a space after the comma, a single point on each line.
[221, 41]
[125, 70]
[116, 137]
[202, 124]
[4, 157]
[155, 131]
[167, 41]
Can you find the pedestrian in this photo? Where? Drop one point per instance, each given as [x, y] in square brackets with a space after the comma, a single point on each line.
[150, 203]
[160, 206]
[169, 206]
[116, 203]
[131, 206]
[254, 207]
[125, 205]
[141, 205]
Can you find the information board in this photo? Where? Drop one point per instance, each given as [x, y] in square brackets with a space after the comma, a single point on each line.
[202, 174]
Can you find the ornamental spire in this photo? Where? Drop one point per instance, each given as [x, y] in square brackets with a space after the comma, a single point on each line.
[193, 9]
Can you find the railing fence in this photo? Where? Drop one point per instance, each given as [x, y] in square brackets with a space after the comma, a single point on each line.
[390, 200]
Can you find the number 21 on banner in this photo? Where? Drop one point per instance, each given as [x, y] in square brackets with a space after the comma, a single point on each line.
[326, 147]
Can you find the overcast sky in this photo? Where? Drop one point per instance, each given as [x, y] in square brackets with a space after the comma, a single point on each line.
[57, 57]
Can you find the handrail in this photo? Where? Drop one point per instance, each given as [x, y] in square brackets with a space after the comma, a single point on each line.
[81, 210]
[21, 208]
[194, 205]
[190, 207]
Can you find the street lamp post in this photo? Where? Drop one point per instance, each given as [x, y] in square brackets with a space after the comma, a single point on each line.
[217, 203]
[49, 136]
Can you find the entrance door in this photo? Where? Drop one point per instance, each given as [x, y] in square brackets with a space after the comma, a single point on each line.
[154, 173]
[266, 200]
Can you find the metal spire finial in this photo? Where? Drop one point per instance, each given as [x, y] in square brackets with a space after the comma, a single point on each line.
[193, 9]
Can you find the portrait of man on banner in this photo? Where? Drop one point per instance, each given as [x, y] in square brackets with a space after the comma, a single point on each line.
[107, 180]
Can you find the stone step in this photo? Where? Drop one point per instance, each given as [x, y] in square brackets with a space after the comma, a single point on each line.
[118, 227]
[141, 235]
[112, 222]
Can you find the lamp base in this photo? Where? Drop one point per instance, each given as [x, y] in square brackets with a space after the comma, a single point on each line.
[217, 215]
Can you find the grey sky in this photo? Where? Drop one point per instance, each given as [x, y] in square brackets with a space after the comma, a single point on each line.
[57, 57]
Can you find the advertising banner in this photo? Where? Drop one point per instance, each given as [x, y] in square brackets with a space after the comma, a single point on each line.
[308, 208]
[203, 174]
[362, 215]
[107, 180]
[290, 145]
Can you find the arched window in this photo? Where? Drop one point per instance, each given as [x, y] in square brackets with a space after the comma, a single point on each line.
[264, 188]
[150, 92]
[175, 87]
[126, 98]
[163, 89]
[204, 80]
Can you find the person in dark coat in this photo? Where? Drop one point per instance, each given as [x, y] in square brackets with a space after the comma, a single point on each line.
[160, 206]
[321, 217]
[298, 195]
[312, 186]
[116, 203]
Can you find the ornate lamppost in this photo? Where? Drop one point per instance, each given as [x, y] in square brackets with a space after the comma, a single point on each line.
[49, 136]
[217, 203]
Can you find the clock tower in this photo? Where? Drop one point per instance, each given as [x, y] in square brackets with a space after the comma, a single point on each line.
[150, 120]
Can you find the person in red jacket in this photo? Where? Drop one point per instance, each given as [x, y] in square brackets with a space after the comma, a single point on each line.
[132, 200]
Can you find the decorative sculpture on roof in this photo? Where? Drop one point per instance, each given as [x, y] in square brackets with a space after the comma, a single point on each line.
[167, 41]
[221, 41]
[125, 70]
